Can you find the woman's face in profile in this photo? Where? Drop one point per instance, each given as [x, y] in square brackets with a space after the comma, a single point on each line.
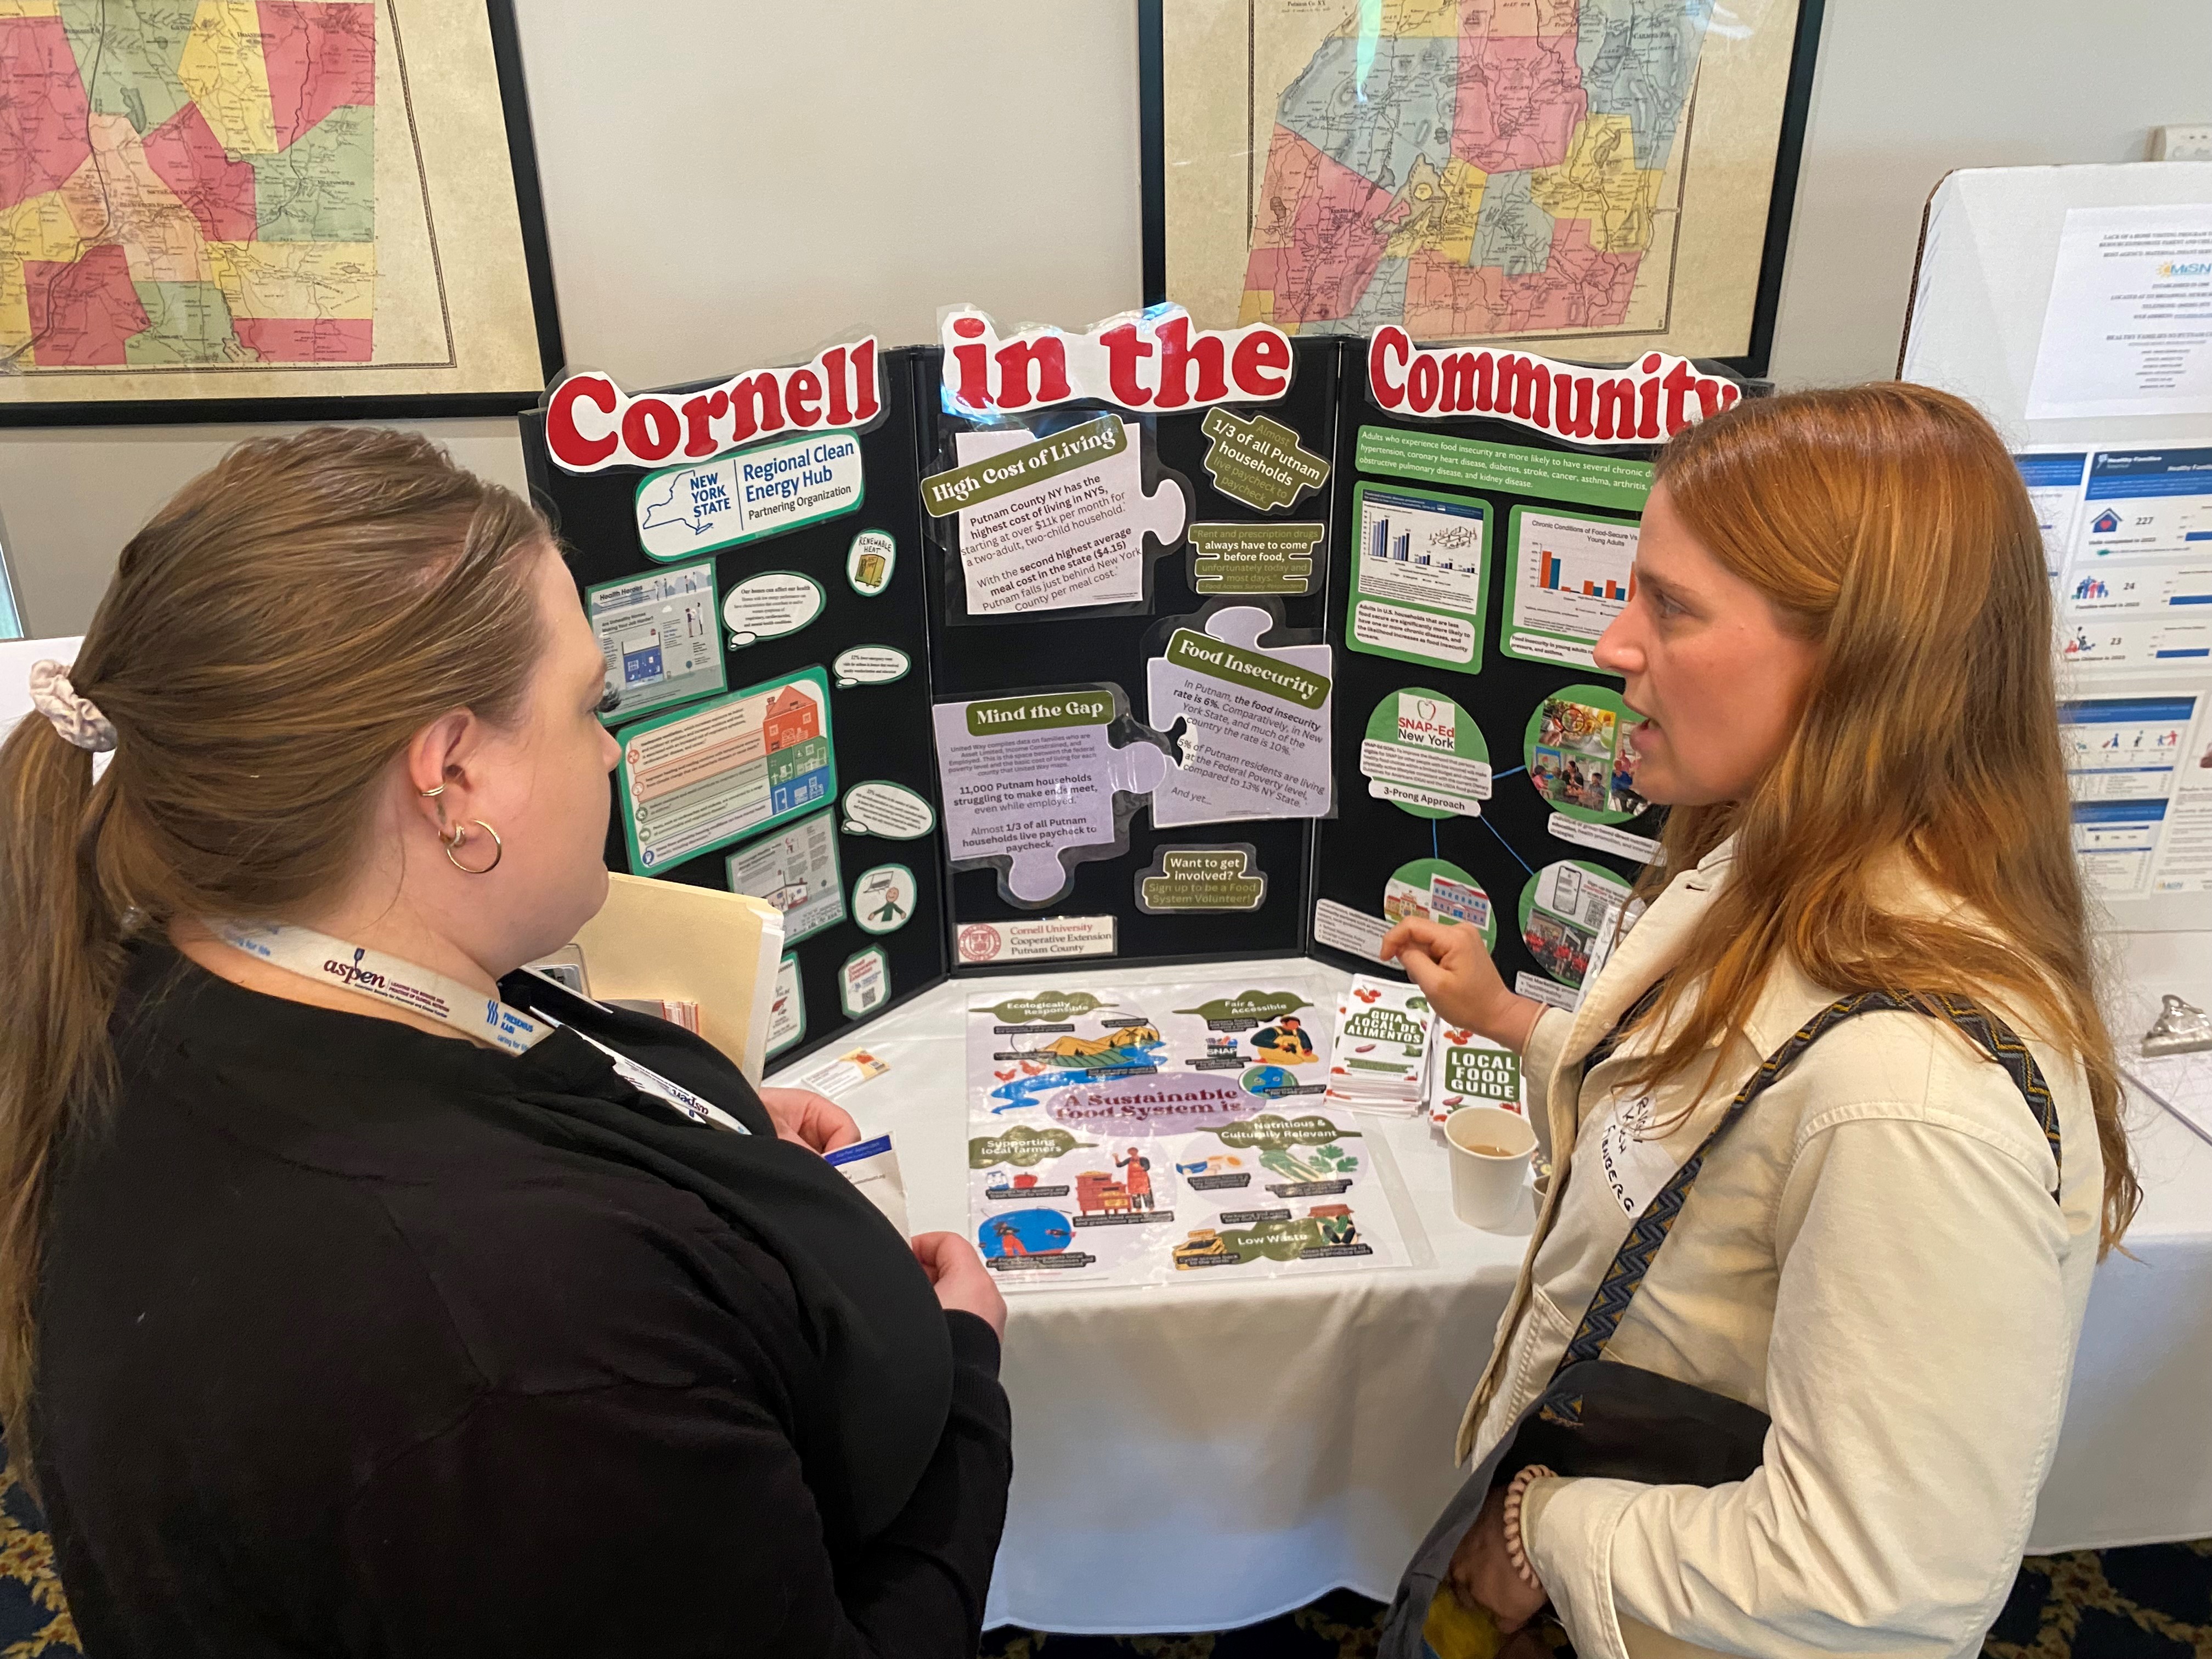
[1709, 666]
[548, 792]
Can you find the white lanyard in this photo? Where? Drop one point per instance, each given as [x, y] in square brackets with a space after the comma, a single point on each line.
[434, 996]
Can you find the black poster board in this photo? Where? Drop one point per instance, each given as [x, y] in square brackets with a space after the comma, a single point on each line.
[879, 731]
[977, 656]
[1507, 846]
[1406, 489]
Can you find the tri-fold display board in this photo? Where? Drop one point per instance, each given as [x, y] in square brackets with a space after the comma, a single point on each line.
[1149, 643]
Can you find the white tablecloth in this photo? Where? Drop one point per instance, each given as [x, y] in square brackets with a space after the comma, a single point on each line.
[1199, 1457]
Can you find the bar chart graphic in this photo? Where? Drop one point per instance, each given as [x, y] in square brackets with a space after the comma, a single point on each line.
[1614, 592]
[1388, 543]
[1421, 549]
[1571, 575]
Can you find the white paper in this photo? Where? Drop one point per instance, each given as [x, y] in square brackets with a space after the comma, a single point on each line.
[2139, 766]
[1380, 1049]
[2128, 330]
[1248, 752]
[1076, 539]
[1467, 1070]
[1029, 778]
[1343, 929]
[2053, 477]
[796, 872]
[1164, 1134]
[872, 1167]
[1573, 575]
[1035, 938]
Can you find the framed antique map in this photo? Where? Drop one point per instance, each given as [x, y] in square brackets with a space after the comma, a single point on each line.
[1603, 177]
[216, 209]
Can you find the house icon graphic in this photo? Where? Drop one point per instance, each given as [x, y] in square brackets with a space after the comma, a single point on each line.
[2105, 523]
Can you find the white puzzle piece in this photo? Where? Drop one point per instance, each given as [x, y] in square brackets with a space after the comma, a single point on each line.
[1028, 779]
[1074, 538]
[1255, 742]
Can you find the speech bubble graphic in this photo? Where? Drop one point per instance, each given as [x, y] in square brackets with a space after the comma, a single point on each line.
[1273, 1131]
[1050, 1007]
[1289, 1241]
[770, 605]
[871, 664]
[1248, 1007]
[889, 810]
[1023, 1146]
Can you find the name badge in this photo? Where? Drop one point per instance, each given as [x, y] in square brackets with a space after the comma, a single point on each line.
[1634, 1167]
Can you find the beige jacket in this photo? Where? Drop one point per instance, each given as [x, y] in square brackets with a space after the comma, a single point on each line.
[1873, 1257]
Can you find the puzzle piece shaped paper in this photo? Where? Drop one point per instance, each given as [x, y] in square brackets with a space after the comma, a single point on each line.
[1260, 462]
[1075, 537]
[1256, 738]
[1031, 779]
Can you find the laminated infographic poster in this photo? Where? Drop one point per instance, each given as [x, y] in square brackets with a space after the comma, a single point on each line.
[702, 777]
[1166, 1134]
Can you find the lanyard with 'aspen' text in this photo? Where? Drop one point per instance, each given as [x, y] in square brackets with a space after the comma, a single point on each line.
[432, 995]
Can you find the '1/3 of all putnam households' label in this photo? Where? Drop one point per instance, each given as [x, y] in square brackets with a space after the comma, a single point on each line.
[689, 509]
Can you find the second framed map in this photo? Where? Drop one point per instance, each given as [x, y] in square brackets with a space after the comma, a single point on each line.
[1599, 178]
[215, 209]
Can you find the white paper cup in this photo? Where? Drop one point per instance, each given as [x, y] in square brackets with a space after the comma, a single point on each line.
[1490, 1152]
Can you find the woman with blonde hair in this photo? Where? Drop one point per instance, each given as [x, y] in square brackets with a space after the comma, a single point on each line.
[1835, 1129]
[360, 1293]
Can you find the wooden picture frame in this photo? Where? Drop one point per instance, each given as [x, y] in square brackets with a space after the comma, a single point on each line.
[358, 232]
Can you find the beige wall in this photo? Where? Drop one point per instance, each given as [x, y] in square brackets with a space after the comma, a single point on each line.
[71, 497]
[1907, 90]
[726, 185]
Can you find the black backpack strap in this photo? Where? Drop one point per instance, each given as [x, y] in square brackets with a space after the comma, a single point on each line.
[1989, 1033]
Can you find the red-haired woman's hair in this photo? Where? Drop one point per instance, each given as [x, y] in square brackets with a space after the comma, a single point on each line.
[1888, 525]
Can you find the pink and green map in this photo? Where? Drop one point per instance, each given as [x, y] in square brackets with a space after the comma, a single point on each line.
[186, 183]
[1472, 167]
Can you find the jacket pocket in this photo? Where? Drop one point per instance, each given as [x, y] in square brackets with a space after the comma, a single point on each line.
[1533, 1354]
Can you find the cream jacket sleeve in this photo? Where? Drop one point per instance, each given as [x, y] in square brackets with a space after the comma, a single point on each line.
[1916, 1375]
[1541, 1053]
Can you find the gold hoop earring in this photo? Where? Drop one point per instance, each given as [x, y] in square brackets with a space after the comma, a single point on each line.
[460, 835]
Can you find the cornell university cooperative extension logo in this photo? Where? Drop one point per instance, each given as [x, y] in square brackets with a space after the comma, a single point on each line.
[981, 943]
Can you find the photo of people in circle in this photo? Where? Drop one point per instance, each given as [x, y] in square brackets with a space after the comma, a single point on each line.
[1582, 758]
[1562, 908]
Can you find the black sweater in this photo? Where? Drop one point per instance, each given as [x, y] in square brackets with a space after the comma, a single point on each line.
[356, 1340]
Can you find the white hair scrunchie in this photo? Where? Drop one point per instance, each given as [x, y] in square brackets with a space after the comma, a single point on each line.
[74, 716]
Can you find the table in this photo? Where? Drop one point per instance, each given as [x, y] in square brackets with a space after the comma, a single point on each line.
[1199, 1457]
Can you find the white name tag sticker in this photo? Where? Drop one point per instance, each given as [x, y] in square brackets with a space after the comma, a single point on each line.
[1633, 1168]
[647, 1081]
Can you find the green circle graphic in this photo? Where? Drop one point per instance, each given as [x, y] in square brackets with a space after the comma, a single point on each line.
[888, 911]
[1560, 932]
[1390, 720]
[1577, 756]
[1411, 891]
[869, 561]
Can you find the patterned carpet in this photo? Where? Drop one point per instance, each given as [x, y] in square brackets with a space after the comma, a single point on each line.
[2152, 1603]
